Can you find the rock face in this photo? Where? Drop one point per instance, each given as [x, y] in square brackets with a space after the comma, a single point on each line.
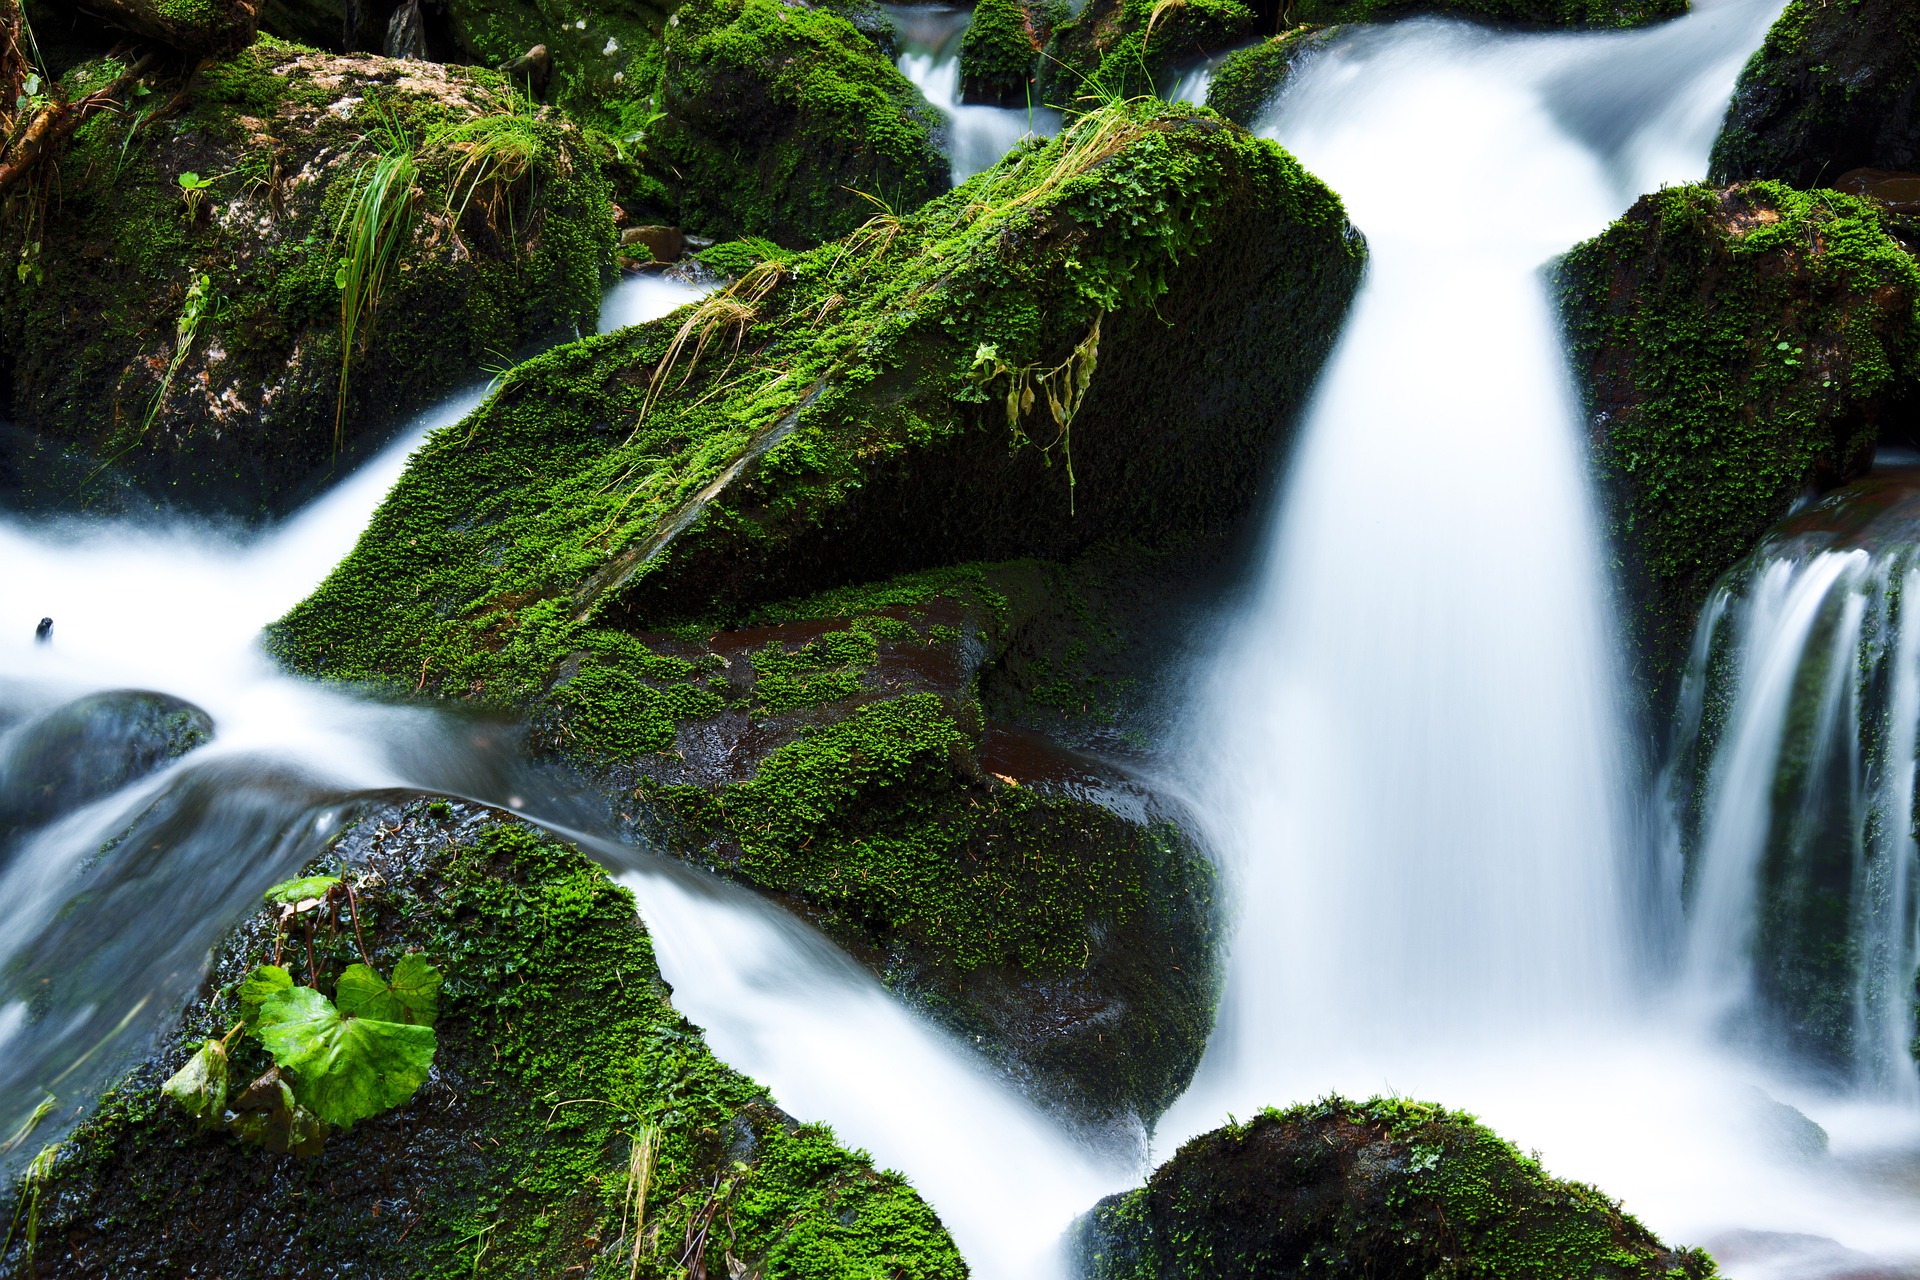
[175, 323]
[1735, 347]
[1388, 1188]
[626, 542]
[777, 119]
[551, 994]
[1835, 87]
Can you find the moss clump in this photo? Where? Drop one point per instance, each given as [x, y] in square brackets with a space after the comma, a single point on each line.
[1000, 52]
[1251, 78]
[193, 347]
[1524, 13]
[852, 438]
[776, 118]
[1388, 1188]
[1734, 347]
[1831, 90]
[557, 1045]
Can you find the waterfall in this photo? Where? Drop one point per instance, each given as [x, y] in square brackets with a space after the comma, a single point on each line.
[1791, 791]
[976, 137]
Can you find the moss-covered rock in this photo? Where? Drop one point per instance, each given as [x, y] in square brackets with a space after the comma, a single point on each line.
[780, 121]
[1734, 347]
[1832, 89]
[203, 28]
[1000, 52]
[1390, 1189]
[1122, 48]
[173, 309]
[557, 1048]
[1251, 78]
[1521, 13]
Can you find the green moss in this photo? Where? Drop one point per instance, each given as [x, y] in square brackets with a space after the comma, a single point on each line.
[777, 117]
[1249, 79]
[1388, 1188]
[603, 53]
[1109, 51]
[557, 1044]
[1735, 348]
[999, 54]
[248, 424]
[1829, 91]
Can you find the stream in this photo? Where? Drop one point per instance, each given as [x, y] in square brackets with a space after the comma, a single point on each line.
[1405, 741]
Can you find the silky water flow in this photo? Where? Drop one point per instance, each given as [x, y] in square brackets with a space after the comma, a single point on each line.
[1409, 750]
[1406, 747]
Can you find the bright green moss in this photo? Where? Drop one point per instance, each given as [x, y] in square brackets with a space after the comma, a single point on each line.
[557, 1046]
[1735, 349]
[1829, 91]
[1388, 1188]
[999, 53]
[777, 118]
[1109, 50]
[1251, 78]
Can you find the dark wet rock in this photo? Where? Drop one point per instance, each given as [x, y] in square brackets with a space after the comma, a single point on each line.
[77, 753]
[1835, 87]
[532, 69]
[203, 28]
[1390, 1189]
[177, 330]
[556, 1045]
[1735, 347]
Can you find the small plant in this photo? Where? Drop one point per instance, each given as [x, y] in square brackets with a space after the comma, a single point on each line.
[28, 1206]
[495, 152]
[1065, 387]
[336, 1061]
[372, 227]
[193, 190]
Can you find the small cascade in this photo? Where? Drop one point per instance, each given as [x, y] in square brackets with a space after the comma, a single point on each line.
[929, 41]
[1791, 789]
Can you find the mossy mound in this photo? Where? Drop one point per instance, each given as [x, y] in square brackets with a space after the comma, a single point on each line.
[173, 314]
[557, 1045]
[1519, 13]
[780, 121]
[1389, 1189]
[1832, 89]
[202, 28]
[1000, 52]
[1122, 48]
[1251, 78]
[1734, 347]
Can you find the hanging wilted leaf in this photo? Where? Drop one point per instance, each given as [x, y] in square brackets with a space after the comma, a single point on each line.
[261, 983]
[295, 891]
[346, 1069]
[412, 997]
[268, 1115]
[201, 1085]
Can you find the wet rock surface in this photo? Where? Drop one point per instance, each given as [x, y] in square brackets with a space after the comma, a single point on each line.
[89, 748]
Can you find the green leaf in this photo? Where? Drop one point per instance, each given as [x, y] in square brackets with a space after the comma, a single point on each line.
[189, 180]
[347, 1068]
[295, 891]
[201, 1085]
[412, 997]
[261, 983]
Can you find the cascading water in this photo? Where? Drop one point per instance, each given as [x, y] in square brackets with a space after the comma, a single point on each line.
[977, 136]
[1792, 789]
[1409, 751]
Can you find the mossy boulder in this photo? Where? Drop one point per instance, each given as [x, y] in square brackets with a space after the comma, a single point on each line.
[781, 121]
[1249, 79]
[557, 1046]
[1519, 13]
[1389, 1188]
[173, 315]
[1734, 347]
[1835, 87]
[1000, 52]
[1124, 47]
[203, 28]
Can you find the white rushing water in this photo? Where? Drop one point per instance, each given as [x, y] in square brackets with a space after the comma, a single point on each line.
[1410, 750]
[977, 136]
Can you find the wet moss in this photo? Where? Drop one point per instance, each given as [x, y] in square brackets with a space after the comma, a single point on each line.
[557, 1045]
[1251, 78]
[1735, 347]
[1387, 1188]
[774, 119]
[1830, 90]
[1122, 48]
[1000, 52]
[109, 300]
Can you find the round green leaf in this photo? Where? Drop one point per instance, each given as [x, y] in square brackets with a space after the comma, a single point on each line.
[412, 997]
[362, 993]
[261, 983]
[346, 1069]
[291, 891]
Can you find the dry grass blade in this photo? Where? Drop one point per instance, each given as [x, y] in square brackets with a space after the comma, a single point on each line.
[1096, 136]
[646, 1145]
[732, 311]
[495, 152]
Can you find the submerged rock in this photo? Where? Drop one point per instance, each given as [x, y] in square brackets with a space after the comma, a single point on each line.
[1735, 347]
[1835, 87]
[557, 1050]
[89, 748]
[1388, 1188]
[175, 322]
